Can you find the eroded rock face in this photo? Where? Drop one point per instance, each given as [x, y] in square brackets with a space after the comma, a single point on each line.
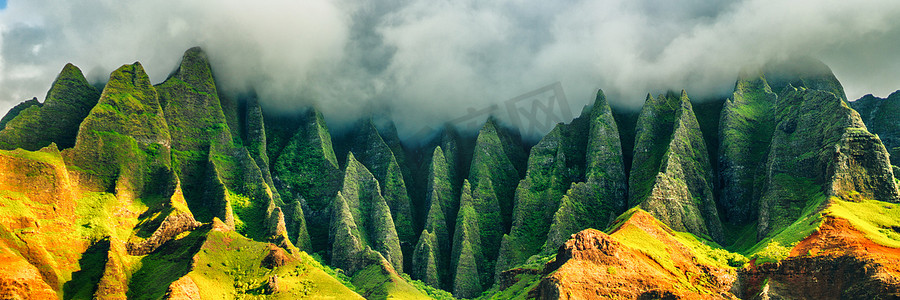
[671, 176]
[835, 262]
[861, 168]
[277, 257]
[575, 180]
[305, 169]
[882, 117]
[593, 264]
[820, 144]
[183, 289]
[361, 219]
[745, 131]
[173, 225]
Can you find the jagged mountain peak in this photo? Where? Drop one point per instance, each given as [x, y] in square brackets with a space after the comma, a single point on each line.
[481, 215]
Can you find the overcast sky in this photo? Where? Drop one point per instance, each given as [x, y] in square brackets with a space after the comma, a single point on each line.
[424, 62]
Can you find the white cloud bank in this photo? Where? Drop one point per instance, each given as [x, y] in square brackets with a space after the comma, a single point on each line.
[427, 61]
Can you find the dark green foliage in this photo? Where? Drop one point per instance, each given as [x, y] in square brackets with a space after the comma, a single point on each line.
[159, 269]
[671, 175]
[84, 282]
[196, 121]
[537, 199]
[439, 197]
[216, 171]
[120, 143]
[746, 129]
[370, 214]
[882, 117]
[426, 289]
[493, 176]
[68, 102]
[432, 253]
[425, 260]
[626, 122]
[588, 151]
[378, 156]
[344, 237]
[14, 112]
[467, 258]
[254, 137]
[820, 141]
[305, 168]
[604, 166]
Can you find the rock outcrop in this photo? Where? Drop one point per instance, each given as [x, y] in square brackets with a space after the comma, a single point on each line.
[835, 262]
[642, 258]
[671, 177]
[820, 145]
[374, 153]
[432, 253]
[882, 117]
[362, 220]
[578, 163]
[305, 170]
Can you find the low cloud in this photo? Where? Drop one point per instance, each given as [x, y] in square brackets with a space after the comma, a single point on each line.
[424, 62]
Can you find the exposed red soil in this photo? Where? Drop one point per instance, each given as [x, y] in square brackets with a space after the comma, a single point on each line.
[837, 236]
[595, 265]
[835, 262]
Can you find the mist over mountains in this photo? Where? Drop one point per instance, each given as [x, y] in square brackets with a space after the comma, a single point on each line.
[422, 63]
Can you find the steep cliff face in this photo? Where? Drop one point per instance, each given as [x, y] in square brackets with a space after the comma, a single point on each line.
[42, 246]
[807, 193]
[602, 197]
[305, 169]
[850, 256]
[468, 258]
[374, 153]
[362, 220]
[35, 125]
[671, 177]
[124, 143]
[575, 180]
[431, 256]
[882, 117]
[210, 158]
[746, 128]
[486, 204]
[820, 142]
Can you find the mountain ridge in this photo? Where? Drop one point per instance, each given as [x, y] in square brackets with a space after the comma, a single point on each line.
[177, 190]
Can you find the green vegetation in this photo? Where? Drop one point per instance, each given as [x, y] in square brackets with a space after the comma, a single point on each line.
[879, 221]
[373, 152]
[362, 219]
[16, 110]
[374, 282]
[35, 126]
[882, 117]
[431, 256]
[229, 266]
[305, 164]
[777, 244]
[156, 271]
[747, 126]
[427, 289]
[671, 176]
[525, 283]
[467, 258]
